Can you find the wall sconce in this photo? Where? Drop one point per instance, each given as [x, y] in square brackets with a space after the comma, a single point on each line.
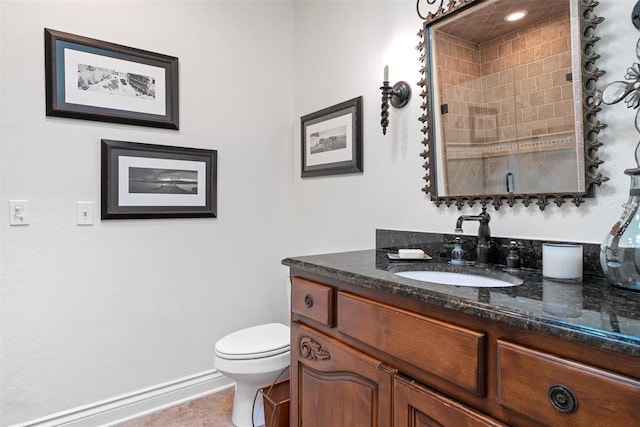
[398, 95]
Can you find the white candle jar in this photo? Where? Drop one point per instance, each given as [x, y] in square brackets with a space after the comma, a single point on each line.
[562, 261]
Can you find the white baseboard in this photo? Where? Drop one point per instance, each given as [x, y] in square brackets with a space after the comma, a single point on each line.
[119, 409]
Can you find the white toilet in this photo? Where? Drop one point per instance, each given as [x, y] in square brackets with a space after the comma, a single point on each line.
[253, 357]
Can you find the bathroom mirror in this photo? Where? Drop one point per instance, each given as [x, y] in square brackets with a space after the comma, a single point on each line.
[509, 110]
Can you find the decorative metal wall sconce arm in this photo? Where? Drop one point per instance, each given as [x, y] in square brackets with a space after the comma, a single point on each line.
[397, 95]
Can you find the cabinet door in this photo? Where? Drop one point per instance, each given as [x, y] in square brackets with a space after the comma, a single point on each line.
[336, 385]
[418, 406]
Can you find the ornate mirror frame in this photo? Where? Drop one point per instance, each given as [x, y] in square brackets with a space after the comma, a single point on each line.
[590, 108]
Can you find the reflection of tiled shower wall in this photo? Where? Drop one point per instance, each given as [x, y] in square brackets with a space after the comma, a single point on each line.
[459, 73]
[538, 59]
[537, 172]
[511, 88]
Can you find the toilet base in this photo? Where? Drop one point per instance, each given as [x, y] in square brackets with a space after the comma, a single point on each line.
[244, 414]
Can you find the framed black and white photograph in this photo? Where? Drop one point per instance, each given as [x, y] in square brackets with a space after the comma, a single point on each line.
[96, 80]
[157, 181]
[332, 140]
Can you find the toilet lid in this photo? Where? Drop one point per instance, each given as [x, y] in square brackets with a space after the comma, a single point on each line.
[255, 342]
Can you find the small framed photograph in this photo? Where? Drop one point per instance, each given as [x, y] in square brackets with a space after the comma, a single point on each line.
[157, 181]
[332, 140]
[95, 80]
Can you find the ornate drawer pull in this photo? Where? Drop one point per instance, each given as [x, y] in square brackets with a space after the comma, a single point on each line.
[562, 399]
[308, 300]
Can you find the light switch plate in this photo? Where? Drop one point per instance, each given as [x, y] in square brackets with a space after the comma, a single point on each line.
[85, 213]
[18, 212]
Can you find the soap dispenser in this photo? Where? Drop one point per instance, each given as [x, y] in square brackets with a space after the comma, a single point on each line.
[457, 254]
[513, 258]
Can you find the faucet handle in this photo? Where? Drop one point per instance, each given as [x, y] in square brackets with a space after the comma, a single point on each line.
[514, 244]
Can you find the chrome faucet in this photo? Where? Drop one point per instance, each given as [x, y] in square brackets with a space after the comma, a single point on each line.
[484, 234]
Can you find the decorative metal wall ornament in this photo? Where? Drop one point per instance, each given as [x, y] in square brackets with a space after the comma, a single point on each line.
[629, 89]
[310, 349]
[635, 15]
[436, 10]
[618, 250]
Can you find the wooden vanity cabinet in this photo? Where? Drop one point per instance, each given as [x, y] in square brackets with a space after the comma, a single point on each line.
[364, 358]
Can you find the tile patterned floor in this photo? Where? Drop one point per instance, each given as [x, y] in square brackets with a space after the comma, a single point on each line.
[209, 411]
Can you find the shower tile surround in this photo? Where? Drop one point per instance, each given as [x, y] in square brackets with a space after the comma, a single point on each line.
[508, 97]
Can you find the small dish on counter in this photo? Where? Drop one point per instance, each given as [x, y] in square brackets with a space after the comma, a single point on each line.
[395, 257]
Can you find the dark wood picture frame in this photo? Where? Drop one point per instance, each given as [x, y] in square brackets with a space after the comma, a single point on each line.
[141, 87]
[331, 140]
[157, 181]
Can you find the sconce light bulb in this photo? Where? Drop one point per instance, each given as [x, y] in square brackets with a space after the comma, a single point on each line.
[516, 16]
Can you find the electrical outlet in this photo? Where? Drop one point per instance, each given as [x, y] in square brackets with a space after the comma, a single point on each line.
[18, 212]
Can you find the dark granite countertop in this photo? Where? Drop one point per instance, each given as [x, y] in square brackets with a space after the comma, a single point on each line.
[591, 312]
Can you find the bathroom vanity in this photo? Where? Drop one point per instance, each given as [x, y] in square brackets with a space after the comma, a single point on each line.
[371, 348]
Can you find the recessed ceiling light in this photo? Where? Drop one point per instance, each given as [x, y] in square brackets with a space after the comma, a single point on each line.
[515, 16]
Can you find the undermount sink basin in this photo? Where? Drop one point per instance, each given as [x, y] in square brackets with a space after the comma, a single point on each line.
[460, 279]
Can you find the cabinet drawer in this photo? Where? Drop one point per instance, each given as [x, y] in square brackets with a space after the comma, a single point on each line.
[556, 391]
[452, 353]
[416, 405]
[312, 300]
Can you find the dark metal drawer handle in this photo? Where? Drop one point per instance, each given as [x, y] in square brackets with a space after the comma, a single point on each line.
[308, 300]
[562, 399]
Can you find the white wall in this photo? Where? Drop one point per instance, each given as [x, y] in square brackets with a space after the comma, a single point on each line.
[93, 312]
[344, 58]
